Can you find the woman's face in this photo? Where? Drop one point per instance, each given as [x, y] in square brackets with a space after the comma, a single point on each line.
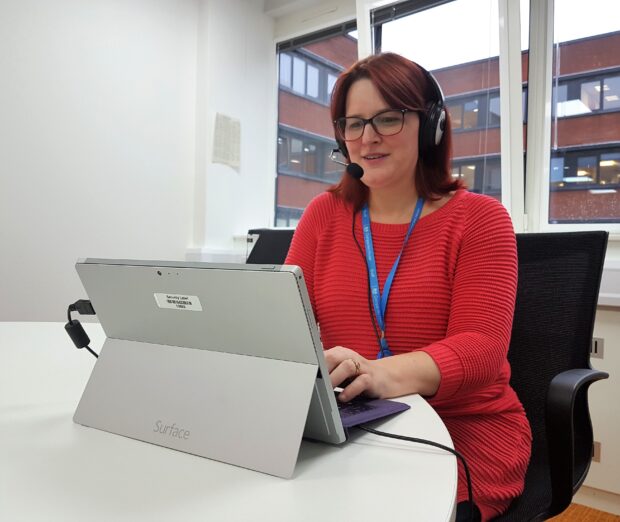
[388, 161]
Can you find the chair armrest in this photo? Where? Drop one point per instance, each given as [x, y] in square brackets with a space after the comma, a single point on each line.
[560, 421]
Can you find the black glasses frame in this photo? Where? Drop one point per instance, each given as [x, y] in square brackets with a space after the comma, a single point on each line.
[340, 123]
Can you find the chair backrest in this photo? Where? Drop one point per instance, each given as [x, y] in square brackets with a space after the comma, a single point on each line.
[271, 246]
[557, 293]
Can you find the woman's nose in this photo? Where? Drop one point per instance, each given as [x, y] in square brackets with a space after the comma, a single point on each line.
[370, 135]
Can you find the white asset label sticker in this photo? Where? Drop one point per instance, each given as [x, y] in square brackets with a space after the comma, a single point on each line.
[179, 302]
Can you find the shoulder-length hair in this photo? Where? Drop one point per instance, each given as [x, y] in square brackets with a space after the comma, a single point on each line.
[403, 84]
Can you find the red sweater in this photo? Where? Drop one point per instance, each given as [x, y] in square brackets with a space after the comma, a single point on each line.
[452, 297]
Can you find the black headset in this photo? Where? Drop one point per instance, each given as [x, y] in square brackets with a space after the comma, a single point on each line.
[432, 121]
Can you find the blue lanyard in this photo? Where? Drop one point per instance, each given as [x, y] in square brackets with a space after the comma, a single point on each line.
[379, 300]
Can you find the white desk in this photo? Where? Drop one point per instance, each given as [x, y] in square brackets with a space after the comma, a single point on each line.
[52, 469]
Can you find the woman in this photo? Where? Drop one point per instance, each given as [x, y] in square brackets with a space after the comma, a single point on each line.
[451, 293]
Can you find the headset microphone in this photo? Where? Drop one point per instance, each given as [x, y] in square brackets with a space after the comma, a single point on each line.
[354, 170]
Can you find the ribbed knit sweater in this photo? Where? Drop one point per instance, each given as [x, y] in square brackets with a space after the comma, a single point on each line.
[453, 298]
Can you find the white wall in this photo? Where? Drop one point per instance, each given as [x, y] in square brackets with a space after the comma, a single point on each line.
[309, 17]
[96, 141]
[237, 78]
[603, 399]
[106, 125]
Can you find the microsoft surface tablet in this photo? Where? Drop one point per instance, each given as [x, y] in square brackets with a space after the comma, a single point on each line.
[255, 317]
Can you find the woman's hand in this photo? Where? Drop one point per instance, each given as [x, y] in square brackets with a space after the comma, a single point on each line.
[394, 376]
[355, 374]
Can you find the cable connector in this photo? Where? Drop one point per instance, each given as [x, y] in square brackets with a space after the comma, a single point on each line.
[74, 328]
[82, 307]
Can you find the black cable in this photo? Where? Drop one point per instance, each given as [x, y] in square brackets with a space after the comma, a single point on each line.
[436, 445]
[370, 309]
[91, 351]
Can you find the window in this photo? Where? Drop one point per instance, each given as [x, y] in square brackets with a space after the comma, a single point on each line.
[586, 177]
[572, 162]
[456, 113]
[611, 93]
[467, 174]
[494, 111]
[586, 96]
[466, 114]
[288, 217]
[312, 88]
[285, 70]
[299, 75]
[467, 72]
[331, 80]
[308, 72]
[585, 169]
[309, 75]
[481, 175]
[584, 182]
[306, 156]
[470, 114]
[609, 165]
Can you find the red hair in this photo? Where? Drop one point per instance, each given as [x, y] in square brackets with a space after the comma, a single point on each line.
[403, 84]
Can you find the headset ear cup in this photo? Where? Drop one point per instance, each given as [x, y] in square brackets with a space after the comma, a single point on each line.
[441, 125]
[433, 124]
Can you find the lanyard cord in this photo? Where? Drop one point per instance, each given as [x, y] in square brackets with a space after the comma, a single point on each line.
[380, 301]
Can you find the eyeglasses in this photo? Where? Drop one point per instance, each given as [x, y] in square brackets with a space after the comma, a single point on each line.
[385, 123]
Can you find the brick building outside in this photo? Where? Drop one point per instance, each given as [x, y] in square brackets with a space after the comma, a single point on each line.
[585, 155]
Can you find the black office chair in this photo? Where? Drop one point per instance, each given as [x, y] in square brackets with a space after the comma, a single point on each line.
[559, 279]
[271, 246]
[557, 293]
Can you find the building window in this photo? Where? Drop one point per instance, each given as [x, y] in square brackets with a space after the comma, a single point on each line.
[470, 114]
[299, 75]
[480, 175]
[585, 186]
[611, 93]
[309, 67]
[586, 95]
[466, 173]
[288, 216]
[312, 87]
[479, 112]
[493, 114]
[609, 169]
[456, 114]
[308, 75]
[465, 114]
[581, 169]
[331, 81]
[303, 155]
